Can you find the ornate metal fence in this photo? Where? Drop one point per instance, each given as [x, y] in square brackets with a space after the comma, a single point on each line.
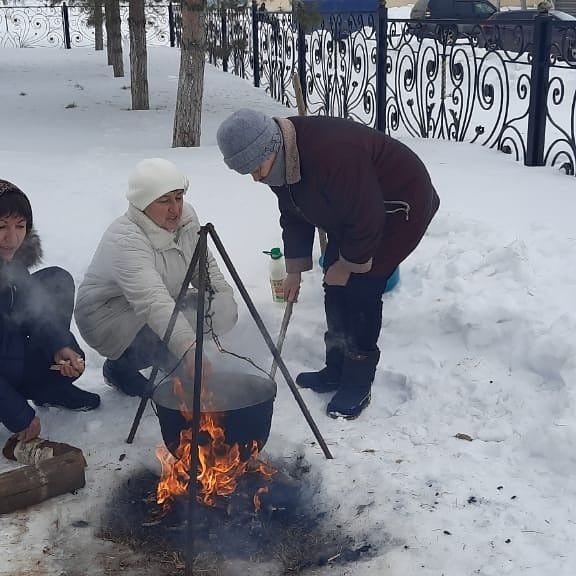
[69, 26]
[509, 86]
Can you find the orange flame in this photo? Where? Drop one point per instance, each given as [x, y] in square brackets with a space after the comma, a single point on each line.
[257, 499]
[220, 465]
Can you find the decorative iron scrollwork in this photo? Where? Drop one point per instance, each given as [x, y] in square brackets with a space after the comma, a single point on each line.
[26, 27]
[42, 26]
[341, 67]
[561, 110]
[463, 80]
[448, 80]
[277, 39]
[232, 49]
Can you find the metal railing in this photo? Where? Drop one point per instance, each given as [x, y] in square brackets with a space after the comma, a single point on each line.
[510, 85]
[71, 27]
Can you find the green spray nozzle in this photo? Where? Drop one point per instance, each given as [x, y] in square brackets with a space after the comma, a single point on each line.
[274, 253]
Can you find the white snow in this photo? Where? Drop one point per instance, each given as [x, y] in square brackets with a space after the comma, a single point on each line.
[478, 339]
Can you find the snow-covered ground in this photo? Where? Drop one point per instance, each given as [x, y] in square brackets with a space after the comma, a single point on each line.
[478, 339]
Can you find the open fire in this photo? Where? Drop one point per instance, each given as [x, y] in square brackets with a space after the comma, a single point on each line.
[220, 464]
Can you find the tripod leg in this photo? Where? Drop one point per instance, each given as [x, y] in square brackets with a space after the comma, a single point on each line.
[168, 333]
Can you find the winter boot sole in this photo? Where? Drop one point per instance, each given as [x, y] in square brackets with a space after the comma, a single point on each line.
[320, 388]
[352, 414]
[112, 385]
[316, 382]
[79, 409]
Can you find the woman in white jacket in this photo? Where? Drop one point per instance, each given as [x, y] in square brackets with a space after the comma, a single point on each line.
[128, 294]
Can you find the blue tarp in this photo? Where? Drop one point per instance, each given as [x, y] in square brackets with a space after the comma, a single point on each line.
[342, 6]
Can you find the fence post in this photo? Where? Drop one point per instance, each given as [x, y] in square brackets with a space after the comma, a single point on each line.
[255, 47]
[302, 60]
[381, 72]
[171, 25]
[66, 26]
[224, 32]
[539, 82]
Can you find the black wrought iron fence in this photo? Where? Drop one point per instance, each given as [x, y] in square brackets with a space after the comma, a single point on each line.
[70, 26]
[510, 86]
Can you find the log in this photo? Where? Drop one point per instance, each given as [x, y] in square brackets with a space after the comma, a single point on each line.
[35, 451]
[31, 485]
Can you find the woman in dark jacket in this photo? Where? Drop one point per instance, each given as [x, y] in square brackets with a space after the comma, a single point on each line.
[375, 199]
[39, 356]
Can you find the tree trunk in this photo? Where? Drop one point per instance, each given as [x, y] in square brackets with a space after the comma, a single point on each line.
[108, 21]
[98, 33]
[188, 117]
[138, 56]
[115, 40]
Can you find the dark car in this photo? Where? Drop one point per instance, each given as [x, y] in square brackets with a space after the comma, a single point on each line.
[435, 18]
[513, 31]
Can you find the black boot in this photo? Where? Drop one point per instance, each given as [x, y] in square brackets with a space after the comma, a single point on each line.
[327, 379]
[123, 378]
[63, 394]
[353, 396]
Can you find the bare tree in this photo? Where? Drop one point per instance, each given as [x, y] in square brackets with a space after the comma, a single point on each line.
[114, 37]
[138, 56]
[188, 116]
[108, 22]
[98, 32]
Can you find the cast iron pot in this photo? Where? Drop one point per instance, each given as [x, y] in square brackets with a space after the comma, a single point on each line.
[242, 403]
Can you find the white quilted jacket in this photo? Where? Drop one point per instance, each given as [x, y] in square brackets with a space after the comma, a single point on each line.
[133, 280]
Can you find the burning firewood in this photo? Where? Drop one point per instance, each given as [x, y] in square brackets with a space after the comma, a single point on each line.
[221, 463]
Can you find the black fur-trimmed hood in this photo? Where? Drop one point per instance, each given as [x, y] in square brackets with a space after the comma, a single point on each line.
[30, 253]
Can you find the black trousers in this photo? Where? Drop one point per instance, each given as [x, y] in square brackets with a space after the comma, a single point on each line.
[146, 350]
[38, 380]
[354, 314]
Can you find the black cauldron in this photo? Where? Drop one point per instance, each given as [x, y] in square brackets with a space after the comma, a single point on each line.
[242, 405]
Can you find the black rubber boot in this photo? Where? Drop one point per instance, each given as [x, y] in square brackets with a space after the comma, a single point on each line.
[327, 379]
[354, 394]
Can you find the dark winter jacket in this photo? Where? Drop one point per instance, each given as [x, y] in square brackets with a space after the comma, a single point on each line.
[24, 318]
[371, 194]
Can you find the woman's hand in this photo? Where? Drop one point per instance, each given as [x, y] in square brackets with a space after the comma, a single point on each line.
[33, 431]
[292, 286]
[70, 363]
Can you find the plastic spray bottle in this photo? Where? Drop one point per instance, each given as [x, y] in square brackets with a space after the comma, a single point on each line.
[277, 268]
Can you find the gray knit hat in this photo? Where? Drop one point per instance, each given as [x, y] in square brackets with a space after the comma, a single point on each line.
[246, 138]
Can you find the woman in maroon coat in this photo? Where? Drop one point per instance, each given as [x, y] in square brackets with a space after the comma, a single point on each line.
[375, 199]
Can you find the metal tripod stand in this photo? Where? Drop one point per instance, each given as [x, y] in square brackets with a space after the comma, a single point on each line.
[199, 260]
